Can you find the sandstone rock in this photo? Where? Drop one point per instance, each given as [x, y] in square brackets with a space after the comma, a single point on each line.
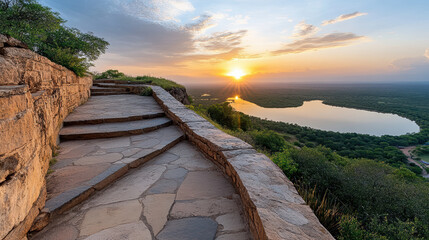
[29, 126]
[180, 94]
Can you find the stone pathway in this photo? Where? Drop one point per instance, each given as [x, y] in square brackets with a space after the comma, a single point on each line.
[169, 190]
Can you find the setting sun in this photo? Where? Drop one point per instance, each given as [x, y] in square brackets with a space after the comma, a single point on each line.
[236, 73]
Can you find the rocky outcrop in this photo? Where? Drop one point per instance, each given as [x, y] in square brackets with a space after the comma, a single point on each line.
[180, 94]
[35, 97]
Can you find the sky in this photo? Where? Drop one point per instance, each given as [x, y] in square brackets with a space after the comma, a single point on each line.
[266, 41]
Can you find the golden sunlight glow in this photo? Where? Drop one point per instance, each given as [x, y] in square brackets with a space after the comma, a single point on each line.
[237, 73]
[236, 97]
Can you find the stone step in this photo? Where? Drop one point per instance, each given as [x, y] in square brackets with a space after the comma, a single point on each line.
[100, 89]
[110, 109]
[87, 166]
[109, 130]
[108, 93]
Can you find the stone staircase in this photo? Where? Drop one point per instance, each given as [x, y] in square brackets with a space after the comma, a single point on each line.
[121, 173]
[99, 91]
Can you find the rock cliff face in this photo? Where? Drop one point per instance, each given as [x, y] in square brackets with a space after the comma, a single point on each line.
[180, 94]
[35, 97]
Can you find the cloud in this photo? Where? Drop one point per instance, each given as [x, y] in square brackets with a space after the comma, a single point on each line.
[303, 29]
[160, 10]
[331, 40]
[427, 53]
[203, 23]
[139, 38]
[222, 41]
[343, 17]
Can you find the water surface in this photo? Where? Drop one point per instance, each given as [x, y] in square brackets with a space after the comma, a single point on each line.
[316, 114]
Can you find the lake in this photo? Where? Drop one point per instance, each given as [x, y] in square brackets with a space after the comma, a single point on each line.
[316, 114]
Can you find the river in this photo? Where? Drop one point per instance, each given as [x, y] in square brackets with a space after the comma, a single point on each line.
[316, 114]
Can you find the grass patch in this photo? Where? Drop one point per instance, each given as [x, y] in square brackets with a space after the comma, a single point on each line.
[52, 163]
[162, 82]
[146, 92]
[116, 75]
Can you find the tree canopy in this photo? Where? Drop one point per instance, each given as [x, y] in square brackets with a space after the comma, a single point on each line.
[44, 31]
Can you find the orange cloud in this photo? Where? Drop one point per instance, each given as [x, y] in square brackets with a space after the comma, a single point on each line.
[321, 42]
[343, 17]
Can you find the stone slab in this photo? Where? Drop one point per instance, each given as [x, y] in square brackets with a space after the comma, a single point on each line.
[61, 201]
[196, 228]
[156, 209]
[110, 215]
[163, 186]
[82, 132]
[231, 222]
[110, 108]
[234, 236]
[204, 185]
[72, 176]
[129, 231]
[203, 208]
[130, 187]
[63, 232]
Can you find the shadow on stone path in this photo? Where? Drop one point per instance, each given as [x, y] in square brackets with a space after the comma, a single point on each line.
[169, 190]
[177, 195]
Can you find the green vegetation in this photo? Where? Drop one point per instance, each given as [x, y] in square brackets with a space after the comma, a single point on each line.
[43, 31]
[354, 197]
[224, 114]
[110, 74]
[409, 101]
[421, 153]
[162, 82]
[147, 92]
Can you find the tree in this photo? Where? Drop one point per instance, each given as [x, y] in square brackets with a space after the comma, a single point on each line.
[72, 48]
[43, 31]
[28, 21]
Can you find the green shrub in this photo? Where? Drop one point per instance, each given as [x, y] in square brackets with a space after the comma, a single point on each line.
[28, 21]
[269, 140]
[147, 91]
[162, 82]
[286, 163]
[225, 115]
[43, 31]
[109, 74]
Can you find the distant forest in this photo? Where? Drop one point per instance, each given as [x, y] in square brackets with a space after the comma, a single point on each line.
[359, 186]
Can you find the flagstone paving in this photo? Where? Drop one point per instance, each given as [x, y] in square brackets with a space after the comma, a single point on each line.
[202, 204]
[138, 185]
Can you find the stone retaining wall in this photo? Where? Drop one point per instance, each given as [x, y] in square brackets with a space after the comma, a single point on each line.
[35, 97]
[272, 205]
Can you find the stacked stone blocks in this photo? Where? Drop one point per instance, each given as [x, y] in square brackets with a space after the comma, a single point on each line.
[35, 97]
